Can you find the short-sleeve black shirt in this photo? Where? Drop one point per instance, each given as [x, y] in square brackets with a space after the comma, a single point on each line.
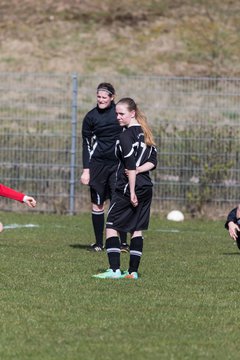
[133, 152]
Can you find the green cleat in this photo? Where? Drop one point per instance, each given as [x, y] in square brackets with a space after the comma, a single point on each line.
[109, 274]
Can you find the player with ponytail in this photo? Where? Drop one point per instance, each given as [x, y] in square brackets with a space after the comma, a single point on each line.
[129, 209]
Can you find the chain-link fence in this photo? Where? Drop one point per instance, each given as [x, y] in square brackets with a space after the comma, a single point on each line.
[195, 122]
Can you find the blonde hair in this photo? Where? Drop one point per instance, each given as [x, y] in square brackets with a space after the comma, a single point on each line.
[141, 119]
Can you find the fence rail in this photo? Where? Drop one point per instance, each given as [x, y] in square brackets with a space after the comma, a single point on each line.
[195, 122]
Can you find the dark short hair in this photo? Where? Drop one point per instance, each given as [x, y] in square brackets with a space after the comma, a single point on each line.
[106, 87]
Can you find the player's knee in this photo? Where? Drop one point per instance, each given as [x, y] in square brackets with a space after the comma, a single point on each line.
[96, 207]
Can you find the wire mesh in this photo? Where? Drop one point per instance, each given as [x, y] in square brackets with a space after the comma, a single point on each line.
[195, 123]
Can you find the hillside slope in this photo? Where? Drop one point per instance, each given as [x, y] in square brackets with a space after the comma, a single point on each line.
[155, 37]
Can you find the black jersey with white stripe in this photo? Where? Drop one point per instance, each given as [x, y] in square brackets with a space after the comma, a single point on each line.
[132, 153]
[100, 130]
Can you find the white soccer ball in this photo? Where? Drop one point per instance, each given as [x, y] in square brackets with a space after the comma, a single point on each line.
[175, 215]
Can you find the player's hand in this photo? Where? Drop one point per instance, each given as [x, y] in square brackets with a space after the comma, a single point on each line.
[30, 201]
[134, 200]
[232, 229]
[85, 178]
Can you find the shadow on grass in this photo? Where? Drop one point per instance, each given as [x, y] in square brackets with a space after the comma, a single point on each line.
[232, 253]
[80, 246]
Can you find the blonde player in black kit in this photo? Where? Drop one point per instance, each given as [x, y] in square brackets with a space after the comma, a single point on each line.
[129, 210]
[100, 131]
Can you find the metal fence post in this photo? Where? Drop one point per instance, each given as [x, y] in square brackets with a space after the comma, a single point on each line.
[73, 144]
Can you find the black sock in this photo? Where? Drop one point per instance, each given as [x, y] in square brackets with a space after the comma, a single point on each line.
[98, 226]
[136, 247]
[113, 251]
[123, 237]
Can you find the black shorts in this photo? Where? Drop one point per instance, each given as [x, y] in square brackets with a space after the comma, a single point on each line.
[122, 216]
[102, 181]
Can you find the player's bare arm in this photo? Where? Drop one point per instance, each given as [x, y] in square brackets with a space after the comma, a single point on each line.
[132, 182]
[148, 166]
[232, 229]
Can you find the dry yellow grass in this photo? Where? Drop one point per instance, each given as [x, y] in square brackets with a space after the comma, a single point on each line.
[131, 37]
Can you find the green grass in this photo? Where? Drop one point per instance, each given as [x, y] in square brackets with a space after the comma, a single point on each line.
[185, 304]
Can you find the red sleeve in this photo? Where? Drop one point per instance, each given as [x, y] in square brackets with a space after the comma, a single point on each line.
[10, 193]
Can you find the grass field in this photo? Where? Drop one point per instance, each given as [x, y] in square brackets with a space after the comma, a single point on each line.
[184, 305]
